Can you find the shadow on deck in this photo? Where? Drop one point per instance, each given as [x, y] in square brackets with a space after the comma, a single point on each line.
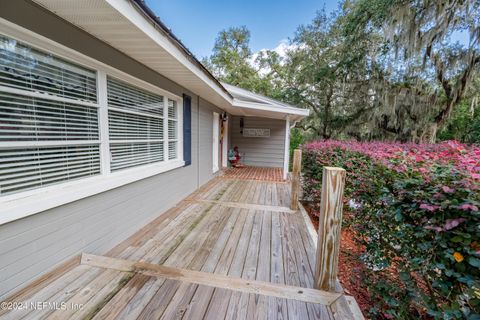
[231, 250]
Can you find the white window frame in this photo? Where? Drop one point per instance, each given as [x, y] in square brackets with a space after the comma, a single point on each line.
[179, 103]
[22, 204]
[179, 139]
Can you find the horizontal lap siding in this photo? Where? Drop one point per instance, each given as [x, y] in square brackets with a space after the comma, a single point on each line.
[32, 246]
[260, 152]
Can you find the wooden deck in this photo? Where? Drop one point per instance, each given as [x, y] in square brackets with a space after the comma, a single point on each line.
[231, 250]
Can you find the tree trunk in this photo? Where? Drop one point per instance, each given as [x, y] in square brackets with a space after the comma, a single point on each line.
[429, 135]
[326, 120]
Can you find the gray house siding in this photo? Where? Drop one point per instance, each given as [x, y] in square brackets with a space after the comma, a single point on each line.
[32, 246]
[260, 152]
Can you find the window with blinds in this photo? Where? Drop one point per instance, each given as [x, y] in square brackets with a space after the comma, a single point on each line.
[51, 124]
[49, 130]
[140, 129]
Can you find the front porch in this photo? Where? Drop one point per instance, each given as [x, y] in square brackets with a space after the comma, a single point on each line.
[231, 250]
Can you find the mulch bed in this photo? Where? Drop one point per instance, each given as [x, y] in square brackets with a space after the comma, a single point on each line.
[350, 267]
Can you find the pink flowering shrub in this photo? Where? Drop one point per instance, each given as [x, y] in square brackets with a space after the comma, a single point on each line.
[415, 209]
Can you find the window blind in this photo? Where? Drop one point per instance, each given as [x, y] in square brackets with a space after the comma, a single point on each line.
[45, 139]
[137, 122]
[23, 169]
[25, 68]
[126, 155]
[25, 118]
[127, 97]
[49, 121]
[124, 126]
[172, 129]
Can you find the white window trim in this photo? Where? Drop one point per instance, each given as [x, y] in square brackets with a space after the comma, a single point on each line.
[22, 204]
[103, 122]
[179, 138]
[164, 117]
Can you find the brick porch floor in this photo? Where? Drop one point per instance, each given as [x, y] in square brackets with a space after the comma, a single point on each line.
[255, 173]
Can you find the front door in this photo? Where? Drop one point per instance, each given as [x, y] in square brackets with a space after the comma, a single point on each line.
[215, 141]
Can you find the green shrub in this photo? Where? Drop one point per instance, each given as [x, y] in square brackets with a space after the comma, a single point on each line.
[415, 209]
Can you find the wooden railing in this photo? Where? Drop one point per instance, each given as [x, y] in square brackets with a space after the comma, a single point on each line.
[296, 168]
[330, 221]
[329, 228]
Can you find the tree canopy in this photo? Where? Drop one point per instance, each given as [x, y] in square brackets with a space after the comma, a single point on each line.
[420, 33]
[231, 61]
[374, 69]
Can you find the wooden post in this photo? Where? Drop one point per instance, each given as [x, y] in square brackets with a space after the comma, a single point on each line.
[297, 166]
[329, 228]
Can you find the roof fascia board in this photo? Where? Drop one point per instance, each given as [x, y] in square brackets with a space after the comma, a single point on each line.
[268, 107]
[248, 94]
[255, 96]
[128, 10]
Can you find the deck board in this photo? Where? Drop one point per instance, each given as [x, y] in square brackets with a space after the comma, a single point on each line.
[258, 239]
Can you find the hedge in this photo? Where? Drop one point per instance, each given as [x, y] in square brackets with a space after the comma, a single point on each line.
[415, 209]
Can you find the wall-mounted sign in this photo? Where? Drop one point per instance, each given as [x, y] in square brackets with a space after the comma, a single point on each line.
[256, 133]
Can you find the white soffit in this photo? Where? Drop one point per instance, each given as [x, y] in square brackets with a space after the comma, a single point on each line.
[120, 24]
[123, 26]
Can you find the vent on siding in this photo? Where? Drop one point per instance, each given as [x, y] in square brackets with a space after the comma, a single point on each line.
[23, 169]
[25, 68]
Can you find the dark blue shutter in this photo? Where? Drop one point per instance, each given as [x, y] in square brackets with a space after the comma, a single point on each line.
[187, 130]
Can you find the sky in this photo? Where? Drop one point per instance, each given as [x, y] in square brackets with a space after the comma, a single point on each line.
[271, 22]
[196, 23]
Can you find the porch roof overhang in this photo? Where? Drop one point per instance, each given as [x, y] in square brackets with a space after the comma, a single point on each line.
[252, 104]
[132, 28]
